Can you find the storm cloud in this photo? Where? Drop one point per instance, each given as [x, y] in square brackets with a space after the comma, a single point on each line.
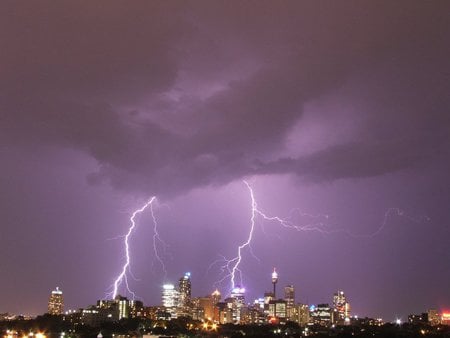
[167, 97]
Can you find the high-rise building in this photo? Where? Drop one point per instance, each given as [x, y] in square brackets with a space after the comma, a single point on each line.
[289, 298]
[277, 311]
[237, 304]
[215, 299]
[341, 307]
[125, 306]
[170, 299]
[56, 302]
[184, 296]
[184, 289]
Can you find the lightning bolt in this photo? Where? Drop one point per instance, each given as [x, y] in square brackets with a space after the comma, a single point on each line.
[231, 266]
[122, 277]
[157, 239]
[387, 215]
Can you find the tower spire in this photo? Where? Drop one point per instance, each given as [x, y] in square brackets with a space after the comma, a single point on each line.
[274, 281]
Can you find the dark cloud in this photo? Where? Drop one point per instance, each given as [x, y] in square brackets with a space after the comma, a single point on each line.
[93, 51]
[213, 94]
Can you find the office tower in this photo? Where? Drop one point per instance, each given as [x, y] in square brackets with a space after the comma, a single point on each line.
[56, 302]
[277, 311]
[184, 289]
[289, 297]
[123, 306]
[215, 300]
[274, 281]
[237, 304]
[184, 296]
[238, 294]
[341, 307]
[170, 299]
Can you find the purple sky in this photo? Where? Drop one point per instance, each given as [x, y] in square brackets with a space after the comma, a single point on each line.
[336, 108]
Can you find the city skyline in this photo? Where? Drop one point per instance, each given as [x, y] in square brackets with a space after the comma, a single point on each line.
[178, 301]
[225, 138]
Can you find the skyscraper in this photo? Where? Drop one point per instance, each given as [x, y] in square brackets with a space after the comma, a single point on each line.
[184, 289]
[341, 307]
[56, 302]
[184, 296]
[170, 299]
[216, 296]
[237, 304]
[289, 297]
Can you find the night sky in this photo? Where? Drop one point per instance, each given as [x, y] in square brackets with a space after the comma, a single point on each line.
[333, 111]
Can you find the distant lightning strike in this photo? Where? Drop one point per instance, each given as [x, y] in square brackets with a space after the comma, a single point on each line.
[232, 265]
[122, 277]
[237, 260]
[157, 239]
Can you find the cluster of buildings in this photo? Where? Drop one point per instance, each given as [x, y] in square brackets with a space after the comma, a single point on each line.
[177, 301]
[234, 309]
[432, 317]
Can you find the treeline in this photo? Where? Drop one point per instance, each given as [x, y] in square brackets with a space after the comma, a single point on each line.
[57, 326]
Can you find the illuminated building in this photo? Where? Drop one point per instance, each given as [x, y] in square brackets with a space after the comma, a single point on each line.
[56, 302]
[225, 311]
[120, 307]
[199, 307]
[274, 281]
[215, 299]
[289, 297]
[237, 304]
[124, 306]
[184, 289]
[255, 314]
[433, 317]
[170, 299]
[445, 318]
[277, 311]
[303, 314]
[268, 296]
[184, 296]
[216, 296]
[341, 307]
[321, 314]
[95, 316]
